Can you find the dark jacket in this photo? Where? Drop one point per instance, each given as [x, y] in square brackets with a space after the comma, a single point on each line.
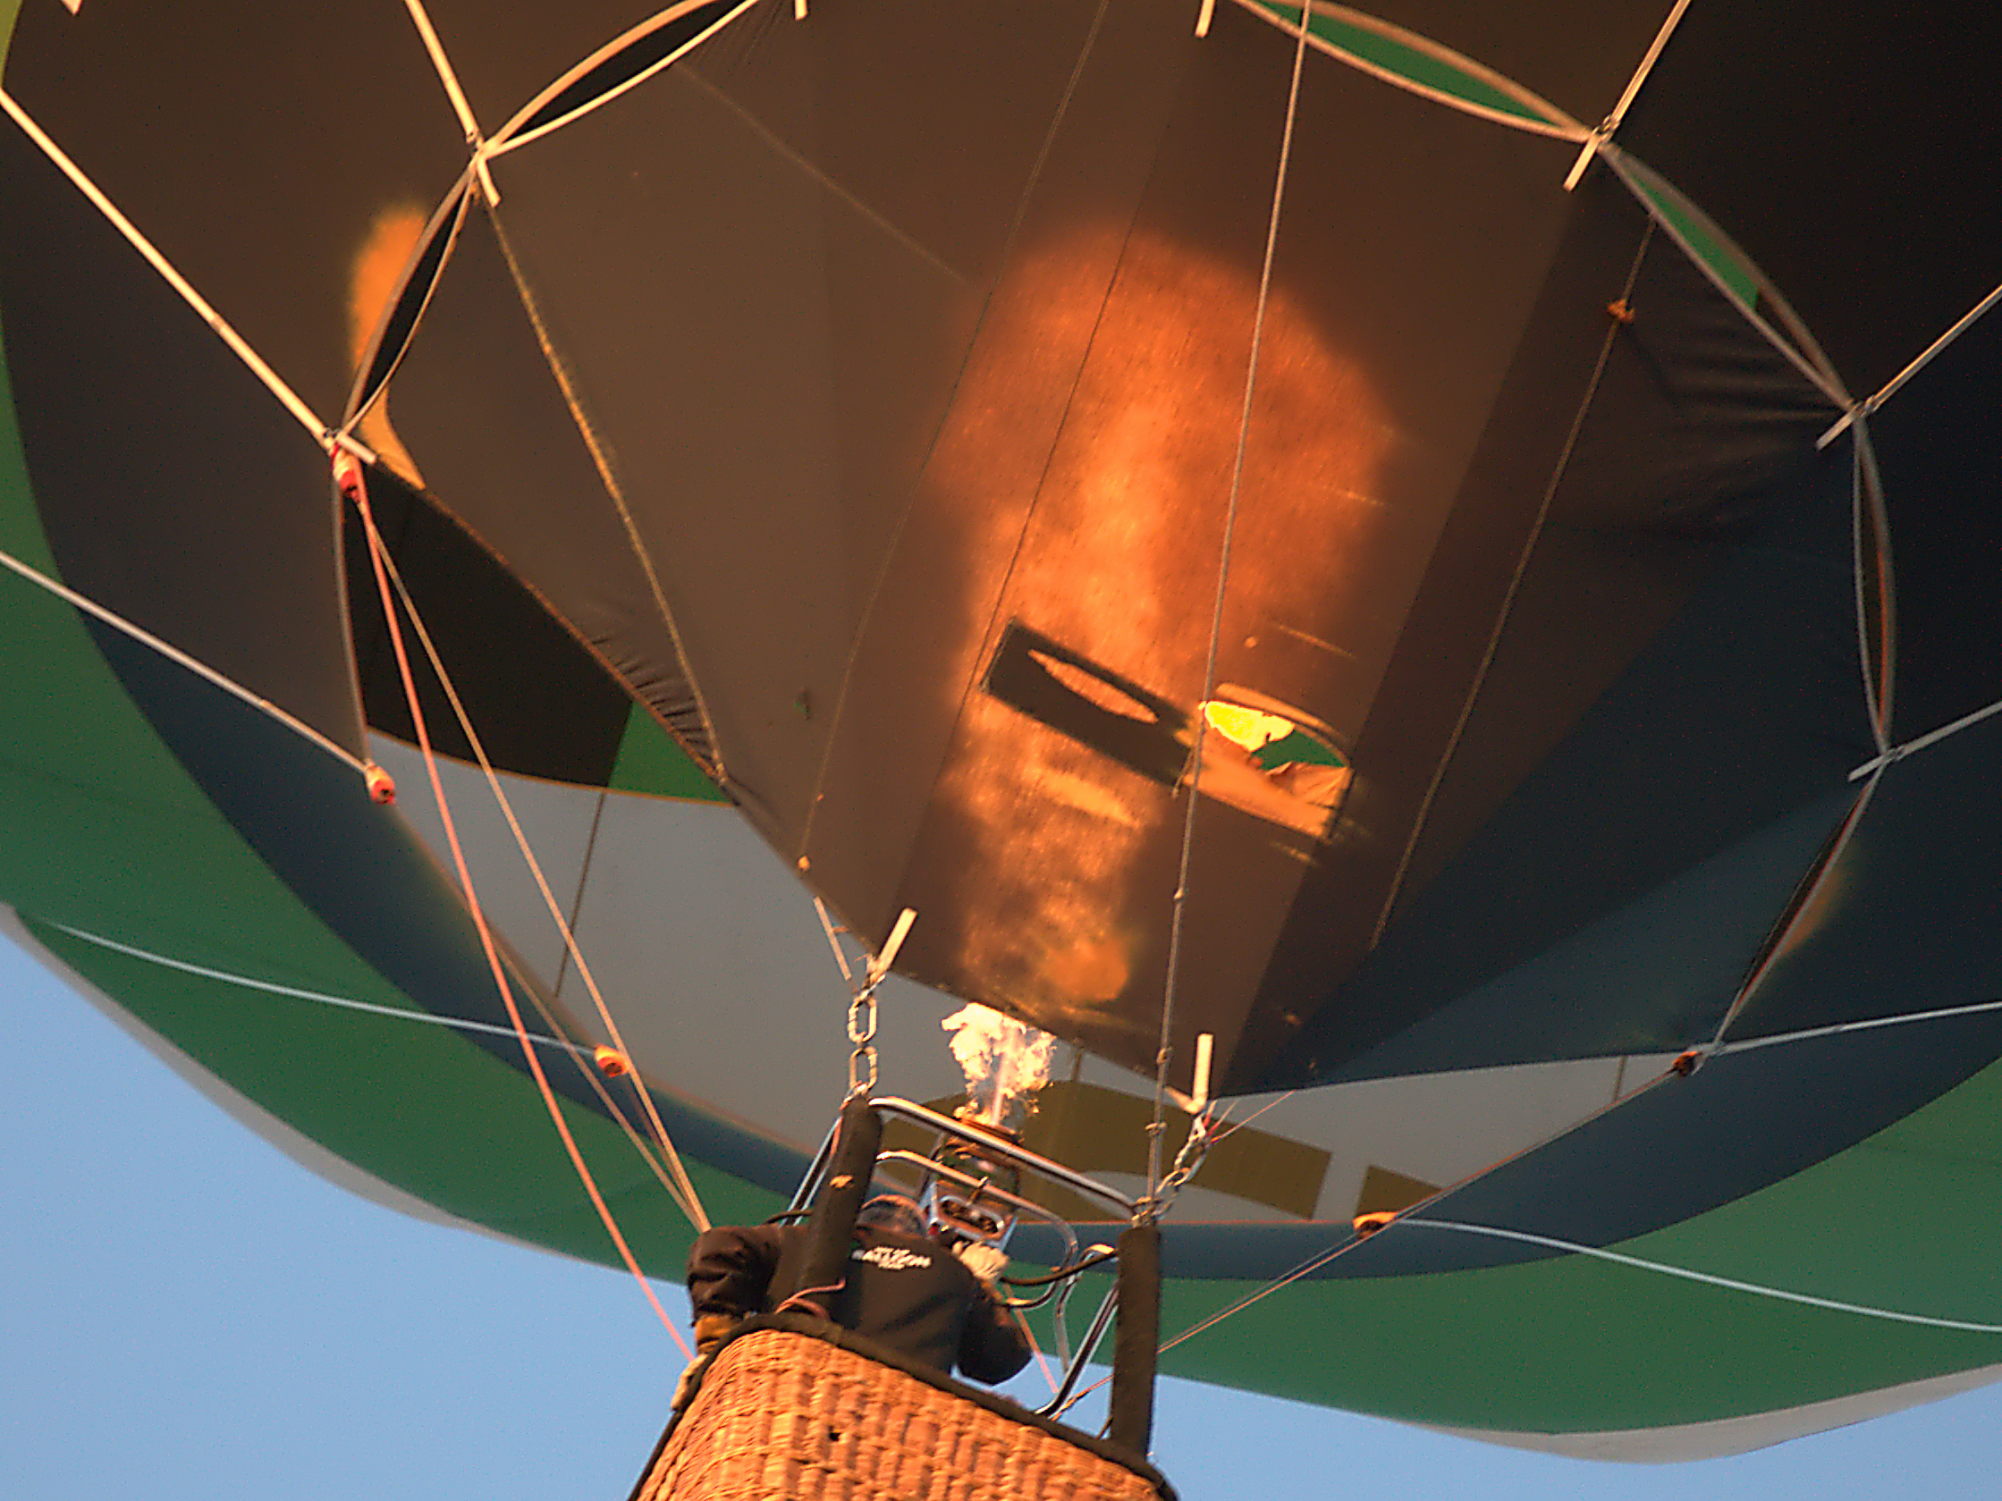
[904, 1291]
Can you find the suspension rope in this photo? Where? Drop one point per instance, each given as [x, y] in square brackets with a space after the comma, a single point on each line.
[1557, 472]
[1711, 1279]
[673, 1177]
[1890, 388]
[1231, 1128]
[1316, 1263]
[686, 1196]
[1164, 1053]
[180, 658]
[294, 992]
[1409, 1215]
[1605, 129]
[1035, 1348]
[1342, 1248]
[1905, 748]
[348, 475]
[203, 309]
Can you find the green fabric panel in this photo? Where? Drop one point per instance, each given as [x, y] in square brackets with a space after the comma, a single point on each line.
[1738, 278]
[1903, 1221]
[9, 10]
[99, 826]
[1296, 749]
[649, 761]
[416, 1105]
[1424, 68]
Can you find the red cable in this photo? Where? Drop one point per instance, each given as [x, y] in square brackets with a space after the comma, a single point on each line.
[348, 476]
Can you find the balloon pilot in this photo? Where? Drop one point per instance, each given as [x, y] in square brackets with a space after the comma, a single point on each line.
[855, 1308]
[917, 1286]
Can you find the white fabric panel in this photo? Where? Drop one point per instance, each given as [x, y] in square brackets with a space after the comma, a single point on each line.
[1434, 1127]
[555, 817]
[709, 952]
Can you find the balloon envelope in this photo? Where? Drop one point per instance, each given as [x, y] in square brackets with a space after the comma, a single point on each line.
[1019, 463]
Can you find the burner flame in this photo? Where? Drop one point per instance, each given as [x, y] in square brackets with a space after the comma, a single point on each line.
[1005, 1061]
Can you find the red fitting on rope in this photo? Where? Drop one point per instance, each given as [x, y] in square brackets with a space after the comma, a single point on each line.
[381, 785]
[611, 1062]
[348, 474]
[1688, 1063]
[1369, 1224]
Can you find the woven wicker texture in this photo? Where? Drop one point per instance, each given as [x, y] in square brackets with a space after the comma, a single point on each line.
[782, 1415]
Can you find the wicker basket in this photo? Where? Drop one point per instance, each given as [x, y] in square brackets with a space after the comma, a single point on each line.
[787, 1413]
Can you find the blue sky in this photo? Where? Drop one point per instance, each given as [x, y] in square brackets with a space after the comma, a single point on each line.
[189, 1314]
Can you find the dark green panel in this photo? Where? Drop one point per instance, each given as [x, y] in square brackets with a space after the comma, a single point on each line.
[415, 1105]
[1574, 1345]
[1578, 54]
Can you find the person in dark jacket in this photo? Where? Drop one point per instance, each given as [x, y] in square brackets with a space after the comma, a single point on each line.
[903, 1289]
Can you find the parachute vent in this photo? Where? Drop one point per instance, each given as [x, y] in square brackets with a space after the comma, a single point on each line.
[399, 322]
[626, 60]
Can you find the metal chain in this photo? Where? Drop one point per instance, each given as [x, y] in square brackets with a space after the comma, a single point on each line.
[862, 1032]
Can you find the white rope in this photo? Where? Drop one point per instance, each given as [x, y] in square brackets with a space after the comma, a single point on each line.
[1931, 737]
[469, 126]
[461, 106]
[688, 1198]
[1603, 132]
[1180, 900]
[349, 1003]
[1529, 545]
[355, 488]
[180, 658]
[1931, 352]
[812, 170]
[1867, 1024]
[1031, 184]
[240, 346]
[1709, 1279]
[1797, 913]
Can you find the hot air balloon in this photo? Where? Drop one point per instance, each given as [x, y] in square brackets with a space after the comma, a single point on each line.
[1438, 562]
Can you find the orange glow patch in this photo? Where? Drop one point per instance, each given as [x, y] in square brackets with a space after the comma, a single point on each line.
[377, 270]
[1117, 560]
